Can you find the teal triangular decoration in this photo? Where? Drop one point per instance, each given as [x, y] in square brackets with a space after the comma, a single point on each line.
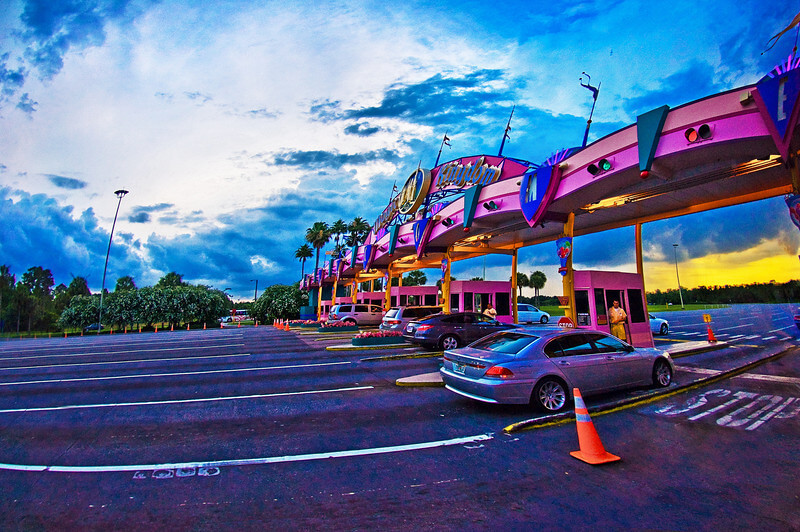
[648, 131]
[471, 196]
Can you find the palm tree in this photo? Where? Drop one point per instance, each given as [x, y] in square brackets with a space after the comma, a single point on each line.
[536, 281]
[522, 281]
[303, 252]
[318, 235]
[338, 228]
[359, 229]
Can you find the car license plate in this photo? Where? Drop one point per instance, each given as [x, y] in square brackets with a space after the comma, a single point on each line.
[410, 328]
[459, 368]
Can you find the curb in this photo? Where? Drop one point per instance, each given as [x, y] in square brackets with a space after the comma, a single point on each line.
[430, 380]
[351, 347]
[557, 419]
[430, 354]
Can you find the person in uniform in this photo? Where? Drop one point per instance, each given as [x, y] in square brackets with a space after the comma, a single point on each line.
[618, 317]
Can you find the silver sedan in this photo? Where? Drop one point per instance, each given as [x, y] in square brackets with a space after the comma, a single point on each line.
[542, 367]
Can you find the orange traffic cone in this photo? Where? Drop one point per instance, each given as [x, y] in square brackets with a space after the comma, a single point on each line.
[592, 450]
[287, 325]
[711, 337]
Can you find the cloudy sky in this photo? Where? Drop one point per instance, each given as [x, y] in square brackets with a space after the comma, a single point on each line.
[236, 125]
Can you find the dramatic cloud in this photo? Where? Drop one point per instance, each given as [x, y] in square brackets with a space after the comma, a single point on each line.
[66, 182]
[236, 126]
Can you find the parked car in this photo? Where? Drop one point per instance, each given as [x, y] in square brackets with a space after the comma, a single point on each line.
[797, 319]
[358, 314]
[93, 327]
[530, 314]
[397, 318]
[659, 325]
[450, 331]
[542, 367]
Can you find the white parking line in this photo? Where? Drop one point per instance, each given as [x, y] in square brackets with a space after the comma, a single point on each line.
[189, 348]
[782, 329]
[752, 376]
[176, 374]
[250, 461]
[180, 401]
[737, 327]
[170, 359]
[10, 347]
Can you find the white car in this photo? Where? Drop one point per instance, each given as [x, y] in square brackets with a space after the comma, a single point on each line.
[530, 314]
[659, 325]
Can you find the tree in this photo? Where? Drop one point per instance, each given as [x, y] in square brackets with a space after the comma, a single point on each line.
[278, 302]
[318, 235]
[172, 279]
[39, 284]
[303, 252]
[415, 278]
[537, 281]
[64, 294]
[125, 283]
[7, 282]
[359, 229]
[522, 281]
[338, 228]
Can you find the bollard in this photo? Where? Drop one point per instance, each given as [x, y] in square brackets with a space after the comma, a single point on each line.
[204, 326]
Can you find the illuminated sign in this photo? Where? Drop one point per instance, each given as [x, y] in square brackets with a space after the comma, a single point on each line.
[408, 200]
[460, 175]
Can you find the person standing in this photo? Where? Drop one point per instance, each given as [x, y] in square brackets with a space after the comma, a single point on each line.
[617, 316]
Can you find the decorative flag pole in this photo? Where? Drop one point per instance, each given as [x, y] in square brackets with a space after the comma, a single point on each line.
[595, 92]
[505, 133]
[445, 140]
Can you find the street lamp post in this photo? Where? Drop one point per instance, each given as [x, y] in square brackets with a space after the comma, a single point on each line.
[680, 293]
[120, 194]
[255, 294]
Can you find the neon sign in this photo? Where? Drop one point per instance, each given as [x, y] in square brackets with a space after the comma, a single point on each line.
[460, 175]
[408, 200]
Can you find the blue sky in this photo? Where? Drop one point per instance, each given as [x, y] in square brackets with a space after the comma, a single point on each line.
[236, 125]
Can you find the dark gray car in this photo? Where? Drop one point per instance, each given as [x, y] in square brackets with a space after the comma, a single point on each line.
[450, 331]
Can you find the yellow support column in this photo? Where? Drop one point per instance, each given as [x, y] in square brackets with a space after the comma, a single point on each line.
[639, 260]
[319, 301]
[355, 289]
[387, 296]
[333, 294]
[568, 282]
[446, 284]
[514, 286]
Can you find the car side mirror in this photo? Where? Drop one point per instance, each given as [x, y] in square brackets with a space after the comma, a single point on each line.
[629, 349]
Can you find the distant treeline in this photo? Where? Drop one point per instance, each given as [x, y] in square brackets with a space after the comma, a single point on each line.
[747, 293]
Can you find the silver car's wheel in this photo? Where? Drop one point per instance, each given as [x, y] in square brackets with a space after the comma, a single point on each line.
[544, 319]
[550, 395]
[664, 329]
[662, 374]
[449, 342]
[349, 321]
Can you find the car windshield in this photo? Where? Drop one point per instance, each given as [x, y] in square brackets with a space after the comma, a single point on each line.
[392, 313]
[509, 343]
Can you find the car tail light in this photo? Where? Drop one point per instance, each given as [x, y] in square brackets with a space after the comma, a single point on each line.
[334, 316]
[499, 372]
[392, 322]
[423, 328]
